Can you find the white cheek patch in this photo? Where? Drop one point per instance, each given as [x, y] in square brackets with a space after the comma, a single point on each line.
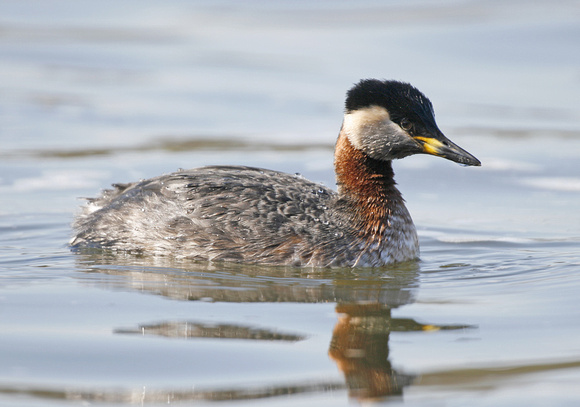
[358, 124]
[371, 130]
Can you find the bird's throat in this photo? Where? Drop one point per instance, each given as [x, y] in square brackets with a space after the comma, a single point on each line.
[368, 187]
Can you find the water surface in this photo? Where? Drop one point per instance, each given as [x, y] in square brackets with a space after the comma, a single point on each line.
[95, 94]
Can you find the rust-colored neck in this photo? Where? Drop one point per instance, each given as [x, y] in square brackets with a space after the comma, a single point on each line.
[368, 186]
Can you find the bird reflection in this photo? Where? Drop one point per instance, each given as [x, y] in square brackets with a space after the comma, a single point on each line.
[360, 348]
[360, 339]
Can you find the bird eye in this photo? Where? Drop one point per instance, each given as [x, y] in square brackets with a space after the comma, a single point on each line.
[406, 124]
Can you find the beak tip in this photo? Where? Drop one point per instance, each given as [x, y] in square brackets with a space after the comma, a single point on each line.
[474, 162]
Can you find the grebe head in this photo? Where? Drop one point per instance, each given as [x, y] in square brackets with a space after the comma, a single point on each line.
[389, 119]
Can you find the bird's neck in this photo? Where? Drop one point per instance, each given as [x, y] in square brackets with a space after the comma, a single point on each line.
[368, 187]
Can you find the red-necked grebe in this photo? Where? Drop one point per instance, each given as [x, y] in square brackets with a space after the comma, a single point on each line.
[253, 215]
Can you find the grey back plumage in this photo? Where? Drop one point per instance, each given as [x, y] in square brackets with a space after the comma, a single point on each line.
[222, 213]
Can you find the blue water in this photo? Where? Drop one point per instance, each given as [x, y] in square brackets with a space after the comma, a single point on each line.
[96, 93]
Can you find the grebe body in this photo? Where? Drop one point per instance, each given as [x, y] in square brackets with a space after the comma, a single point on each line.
[244, 214]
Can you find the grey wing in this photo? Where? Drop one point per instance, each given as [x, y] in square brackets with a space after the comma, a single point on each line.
[249, 214]
[226, 213]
